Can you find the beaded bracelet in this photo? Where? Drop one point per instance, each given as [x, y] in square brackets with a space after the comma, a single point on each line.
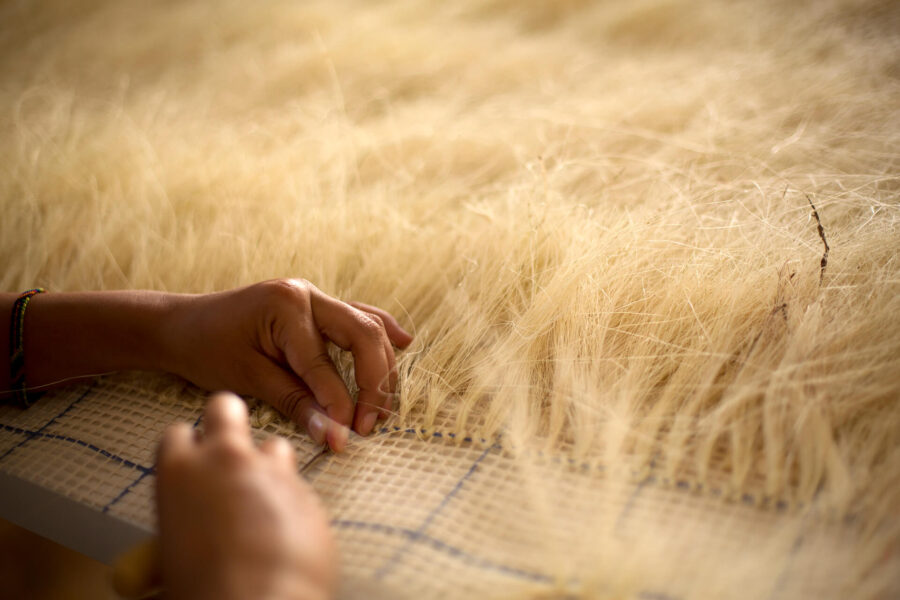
[17, 350]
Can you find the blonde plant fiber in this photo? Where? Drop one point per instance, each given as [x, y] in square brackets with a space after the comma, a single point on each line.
[597, 218]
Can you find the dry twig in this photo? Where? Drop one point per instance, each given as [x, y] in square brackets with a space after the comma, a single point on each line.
[824, 262]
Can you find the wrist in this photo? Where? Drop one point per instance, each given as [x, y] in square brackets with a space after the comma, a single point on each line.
[147, 323]
[81, 334]
[172, 334]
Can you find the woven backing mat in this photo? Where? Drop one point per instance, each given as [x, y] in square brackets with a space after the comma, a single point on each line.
[428, 514]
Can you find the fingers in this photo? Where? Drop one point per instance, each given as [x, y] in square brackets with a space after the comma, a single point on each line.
[281, 451]
[392, 381]
[290, 396]
[177, 441]
[397, 335]
[307, 356]
[225, 416]
[364, 335]
[364, 330]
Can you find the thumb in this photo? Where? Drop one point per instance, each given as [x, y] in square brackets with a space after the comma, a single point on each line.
[287, 393]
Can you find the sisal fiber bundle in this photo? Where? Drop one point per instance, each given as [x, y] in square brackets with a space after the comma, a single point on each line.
[658, 238]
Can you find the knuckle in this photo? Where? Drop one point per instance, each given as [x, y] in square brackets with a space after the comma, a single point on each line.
[317, 364]
[371, 326]
[277, 442]
[281, 446]
[230, 451]
[291, 403]
[289, 290]
[173, 466]
[169, 441]
[377, 319]
[170, 434]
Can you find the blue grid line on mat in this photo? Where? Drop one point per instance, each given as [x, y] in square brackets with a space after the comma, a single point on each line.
[412, 536]
[141, 477]
[781, 580]
[65, 438]
[390, 562]
[479, 562]
[33, 434]
[626, 510]
[129, 487]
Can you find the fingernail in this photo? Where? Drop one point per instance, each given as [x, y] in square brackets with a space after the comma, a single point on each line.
[368, 422]
[338, 439]
[316, 428]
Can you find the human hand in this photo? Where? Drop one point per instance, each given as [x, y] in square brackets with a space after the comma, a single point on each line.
[269, 340]
[236, 521]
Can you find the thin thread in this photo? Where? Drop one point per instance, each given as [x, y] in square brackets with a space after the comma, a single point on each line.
[31, 388]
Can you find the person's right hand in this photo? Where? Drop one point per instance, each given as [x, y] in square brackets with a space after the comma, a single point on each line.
[236, 521]
[269, 340]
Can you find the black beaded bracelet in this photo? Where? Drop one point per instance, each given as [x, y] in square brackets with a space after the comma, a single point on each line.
[17, 350]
